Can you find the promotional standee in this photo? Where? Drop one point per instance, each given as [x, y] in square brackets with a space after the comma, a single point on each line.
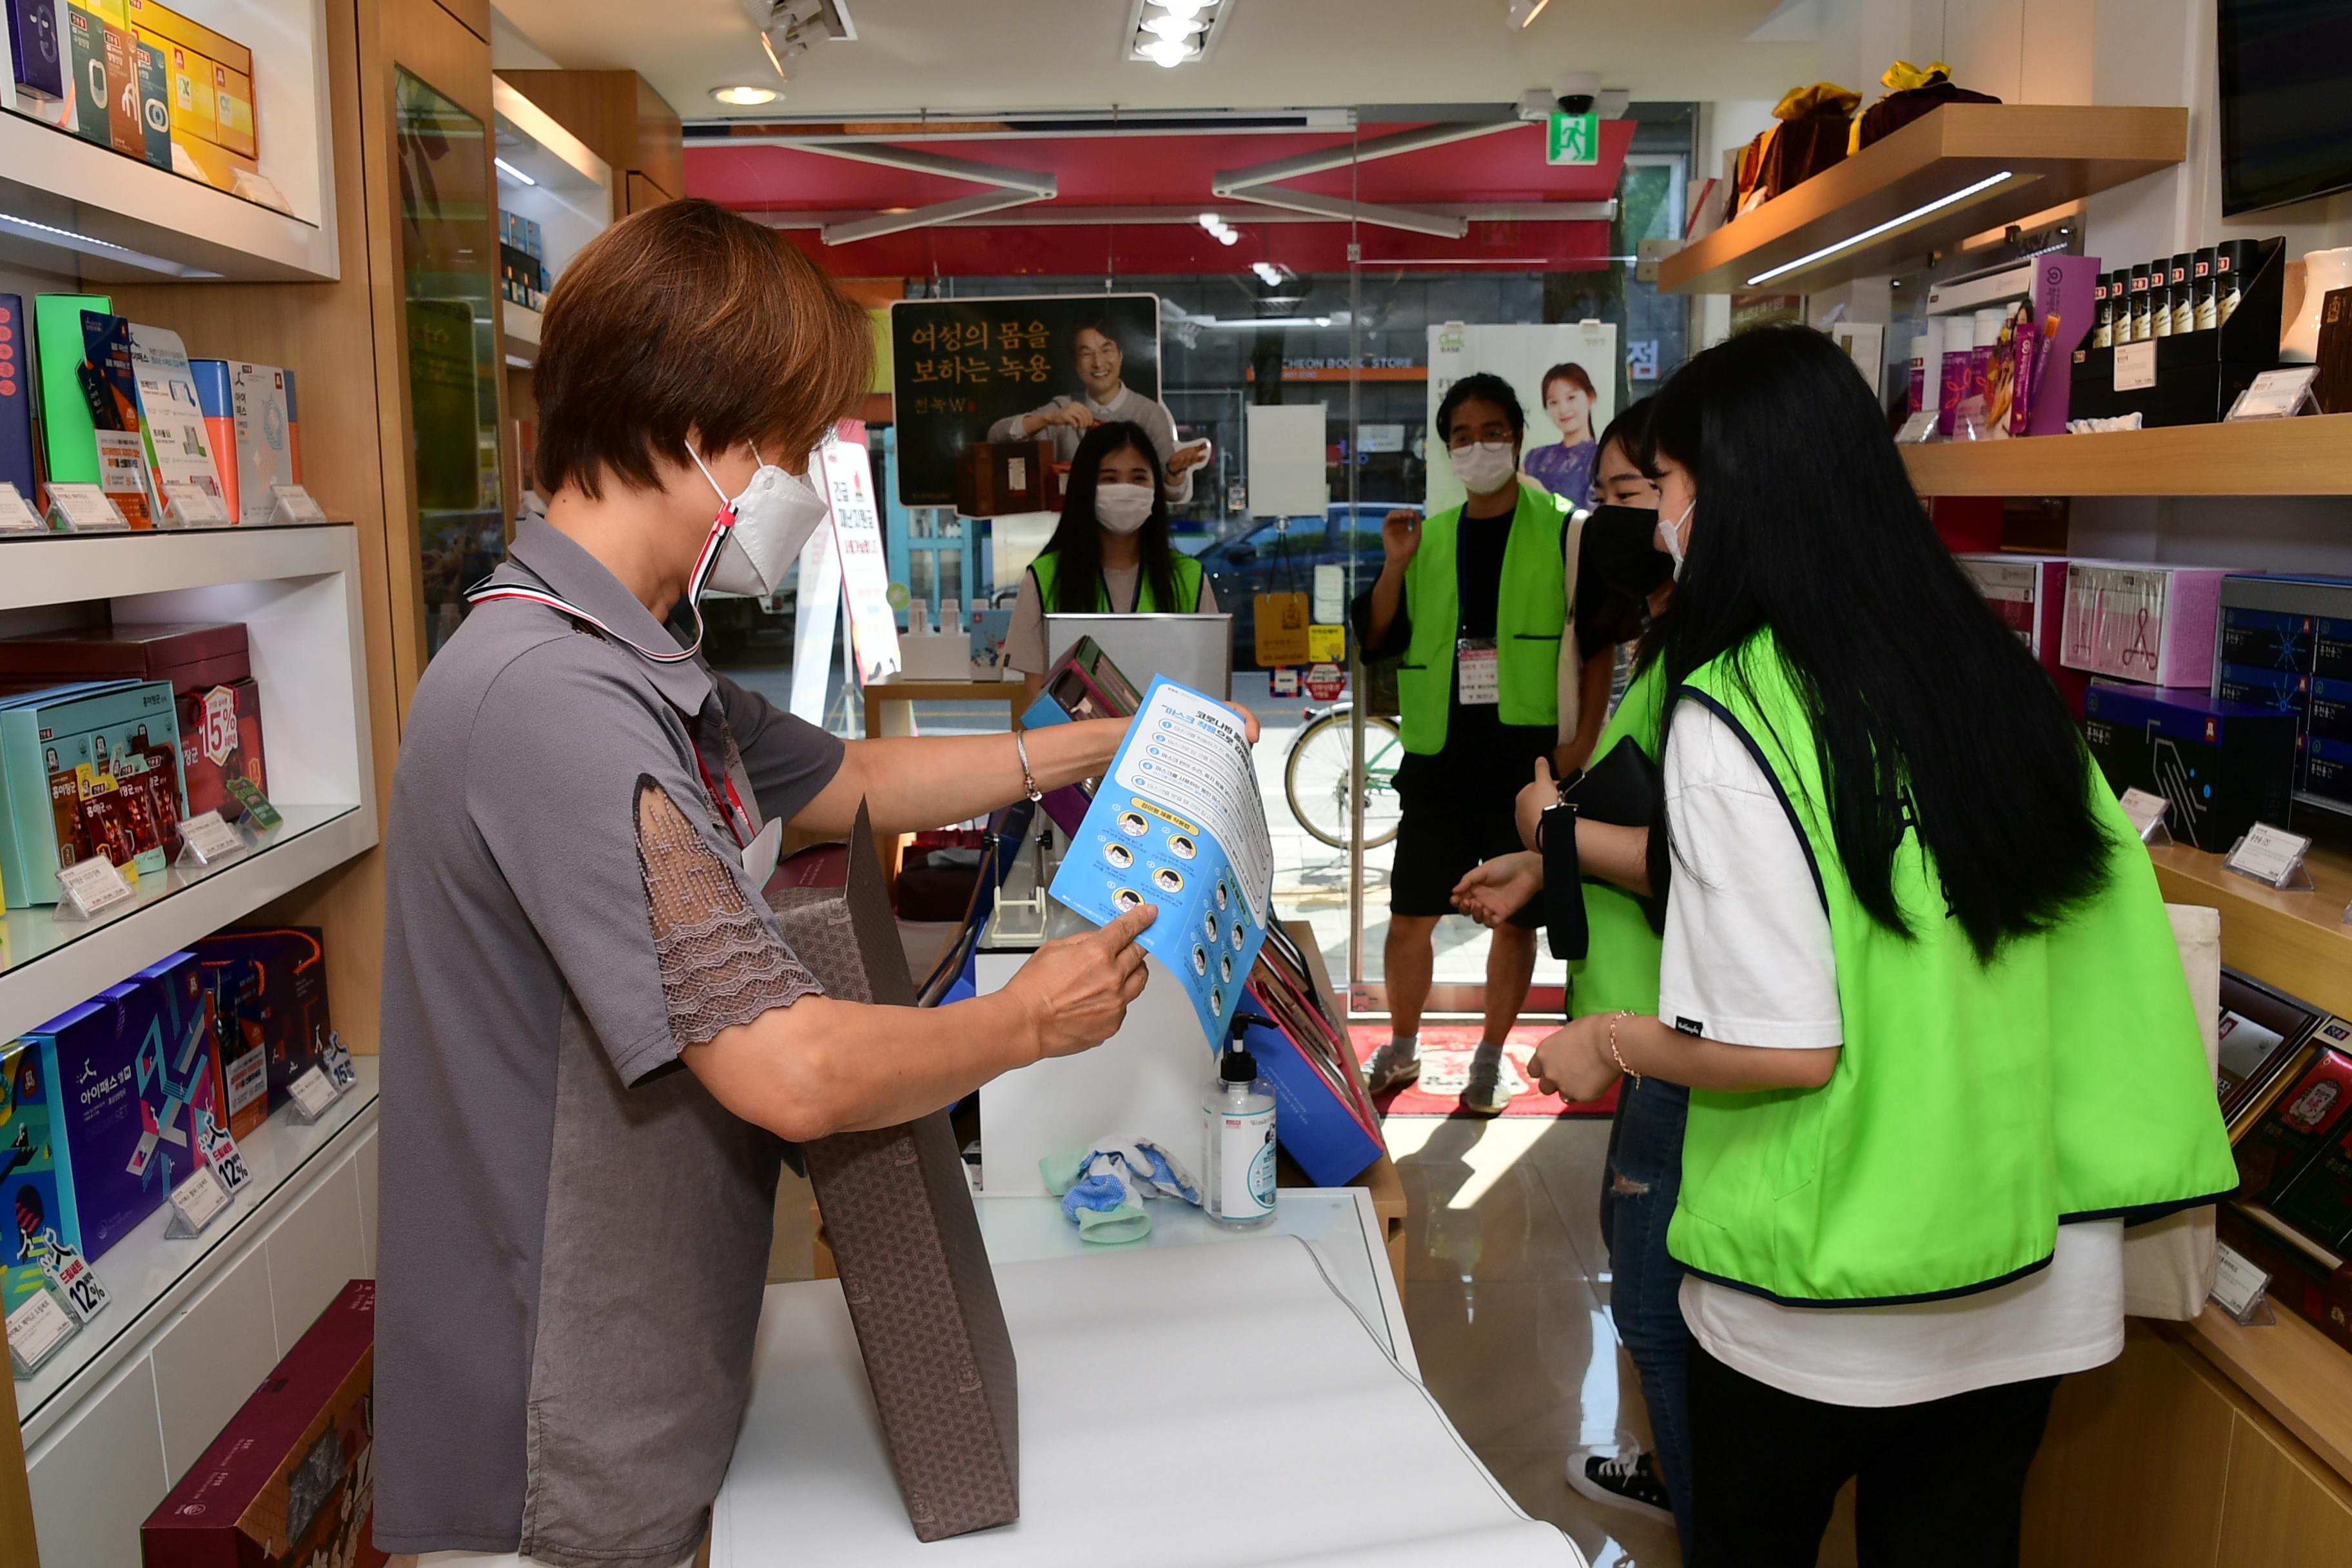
[960, 367]
[1566, 376]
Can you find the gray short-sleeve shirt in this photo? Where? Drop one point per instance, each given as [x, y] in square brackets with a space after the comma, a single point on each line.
[544, 1384]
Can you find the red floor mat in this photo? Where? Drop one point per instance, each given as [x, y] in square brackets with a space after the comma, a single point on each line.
[1445, 1052]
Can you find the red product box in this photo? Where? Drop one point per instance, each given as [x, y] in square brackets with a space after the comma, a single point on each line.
[192, 655]
[269, 994]
[290, 1481]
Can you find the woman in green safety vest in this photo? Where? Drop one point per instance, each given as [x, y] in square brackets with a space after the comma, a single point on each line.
[1109, 554]
[1912, 948]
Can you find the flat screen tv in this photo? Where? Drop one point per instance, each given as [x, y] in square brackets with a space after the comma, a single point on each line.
[2286, 101]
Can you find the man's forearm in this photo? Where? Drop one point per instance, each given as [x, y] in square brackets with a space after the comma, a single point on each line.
[912, 783]
[822, 1065]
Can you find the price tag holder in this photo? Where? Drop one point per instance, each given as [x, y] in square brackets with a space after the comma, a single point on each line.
[312, 1094]
[17, 514]
[37, 1329]
[221, 1153]
[2274, 395]
[2136, 366]
[257, 805]
[206, 840]
[76, 1283]
[189, 506]
[2273, 856]
[197, 1203]
[292, 504]
[1917, 430]
[2147, 812]
[84, 509]
[91, 886]
[337, 1059]
[2240, 1287]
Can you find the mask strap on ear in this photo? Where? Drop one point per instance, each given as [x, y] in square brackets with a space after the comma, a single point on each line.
[724, 498]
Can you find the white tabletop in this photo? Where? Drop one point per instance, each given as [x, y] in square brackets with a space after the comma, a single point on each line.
[1338, 1224]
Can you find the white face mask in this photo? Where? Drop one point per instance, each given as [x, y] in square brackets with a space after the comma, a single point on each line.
[1670, 536]
[1123, 509]
[1485, 467]
[764, 529]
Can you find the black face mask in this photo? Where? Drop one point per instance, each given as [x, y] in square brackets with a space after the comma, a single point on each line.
[1621, 542]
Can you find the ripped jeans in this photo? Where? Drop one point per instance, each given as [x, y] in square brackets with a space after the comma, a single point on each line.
[1637, 1202]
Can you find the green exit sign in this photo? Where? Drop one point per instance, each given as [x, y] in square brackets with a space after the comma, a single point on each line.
[1575, 138]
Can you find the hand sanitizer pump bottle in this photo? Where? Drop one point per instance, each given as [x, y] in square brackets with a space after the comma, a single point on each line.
[1239, 1112]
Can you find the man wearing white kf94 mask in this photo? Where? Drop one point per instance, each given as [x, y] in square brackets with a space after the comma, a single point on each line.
[595, 1028]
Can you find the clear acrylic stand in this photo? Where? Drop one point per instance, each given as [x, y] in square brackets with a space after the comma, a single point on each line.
[2296, 879]
[38, 1329]
[206, 840]
[197, 1203]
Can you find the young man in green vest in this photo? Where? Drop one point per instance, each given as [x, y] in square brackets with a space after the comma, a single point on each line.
[1476, 600]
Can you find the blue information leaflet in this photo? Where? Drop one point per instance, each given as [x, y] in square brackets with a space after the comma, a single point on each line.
[1178, 822]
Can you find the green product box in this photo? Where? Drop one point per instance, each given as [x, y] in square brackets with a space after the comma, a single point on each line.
[68, 438]
[116, 729]
[86, 40]
[154, 101]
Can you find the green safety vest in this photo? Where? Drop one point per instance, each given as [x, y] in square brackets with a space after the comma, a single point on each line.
[1147, 603]
[1530, 617]
[1974, 1107]
[1619, 970]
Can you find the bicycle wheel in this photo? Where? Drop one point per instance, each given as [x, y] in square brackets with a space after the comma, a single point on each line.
[1315, 778]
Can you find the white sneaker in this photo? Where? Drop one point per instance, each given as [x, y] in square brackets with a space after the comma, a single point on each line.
[1392, 1065]
[1621, 1481]
[1493, 1084]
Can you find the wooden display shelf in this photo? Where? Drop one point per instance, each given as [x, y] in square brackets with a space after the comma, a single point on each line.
[2296, 941]
[2306, 457]
[2053, 154]
[2290, 1369]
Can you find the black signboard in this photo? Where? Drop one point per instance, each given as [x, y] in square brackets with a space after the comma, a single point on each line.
[959, 367]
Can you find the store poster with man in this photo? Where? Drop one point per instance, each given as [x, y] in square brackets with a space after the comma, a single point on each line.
[1043, 367]
[1566, 376]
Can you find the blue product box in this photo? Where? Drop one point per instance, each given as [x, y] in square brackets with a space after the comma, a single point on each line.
[29, 1173]
[2279, 690]
[114, 1164]
[1313, 1121]
[2331, 649]
[2328, 770]
[189, 1077]
[2224, 765]
[59, 748]
[2266, 639]
[2330, 713]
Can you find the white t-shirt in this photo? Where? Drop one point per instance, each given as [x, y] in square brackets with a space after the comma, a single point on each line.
[1748, 962]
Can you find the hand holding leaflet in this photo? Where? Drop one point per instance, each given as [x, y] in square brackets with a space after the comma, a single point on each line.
[1178, 824]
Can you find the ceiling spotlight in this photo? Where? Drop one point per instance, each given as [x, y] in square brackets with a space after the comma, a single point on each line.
[1229, 236]
[1270, 274]
[1212, 222]
[1169, 52]
[745, 97]
[1184, 10]
[1178, 29]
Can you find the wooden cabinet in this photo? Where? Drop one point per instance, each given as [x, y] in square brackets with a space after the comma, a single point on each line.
[623, 121]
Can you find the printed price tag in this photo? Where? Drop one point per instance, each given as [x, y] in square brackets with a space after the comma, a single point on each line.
[2136, 366]
[2269, 855]
[206, 839]
[17, 514]
[92, 885]
[2274, 395]
[2147, 812]
[74, 1280]
[84, 509]
[2238, 1284]
[337, 1059]
[293, 503]
[189, 506]
[257, 805]
[221, 1153]
[1476, 671]
[198, 1201]
[35, 1329]
[311, 1093]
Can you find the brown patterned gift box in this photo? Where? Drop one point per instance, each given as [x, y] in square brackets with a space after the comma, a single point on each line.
[913, 1269]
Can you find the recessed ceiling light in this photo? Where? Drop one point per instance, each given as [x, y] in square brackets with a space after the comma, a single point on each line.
[745, 96]
[1180, 29]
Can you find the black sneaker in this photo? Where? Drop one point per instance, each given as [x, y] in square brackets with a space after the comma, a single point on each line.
[1624, 1480]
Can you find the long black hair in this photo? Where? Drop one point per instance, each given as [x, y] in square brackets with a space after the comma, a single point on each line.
[1927, 712]
[1077, 543]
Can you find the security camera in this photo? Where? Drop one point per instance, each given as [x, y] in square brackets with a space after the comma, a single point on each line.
[1575, 91]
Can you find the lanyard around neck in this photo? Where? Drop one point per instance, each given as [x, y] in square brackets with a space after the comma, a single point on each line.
[485, 592]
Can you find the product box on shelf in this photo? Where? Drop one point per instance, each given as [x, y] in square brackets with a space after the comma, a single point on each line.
[2223, 765]
[1085, 684]
[68, 439]
[269, 991]
[209, 80]
[2263, 1032]
[171, 415]
[996, 477]
[2199, 375]
[192, 1072]
[2327, 772]
[17, 395]
[88, 767]
[86, 85]
[262, 396]
[290, 1481]
[113, 1165]
[35, 52]
[2301, 1117]
[2141, 622]
[217, 399]
[30, 1204]
[1323, 1119]
[2029, 594]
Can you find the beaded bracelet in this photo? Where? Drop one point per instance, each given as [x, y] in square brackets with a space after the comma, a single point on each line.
[1616, 1055]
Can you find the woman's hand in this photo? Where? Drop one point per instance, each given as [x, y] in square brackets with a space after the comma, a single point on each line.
[1496, 890]
[1534, 800]
[1574, 1063]
[1074, 990]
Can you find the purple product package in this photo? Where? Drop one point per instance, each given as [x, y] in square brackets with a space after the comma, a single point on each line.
[113, 1169]
[15, 393]
[2062, 286]
[1959, 381]
[35, 49]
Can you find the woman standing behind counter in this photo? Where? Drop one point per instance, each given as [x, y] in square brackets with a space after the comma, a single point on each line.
[1109, 554]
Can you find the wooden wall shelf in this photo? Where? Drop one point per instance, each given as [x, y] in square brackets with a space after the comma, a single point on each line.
[2306, 457]
[2053, 154]
[2296, 941]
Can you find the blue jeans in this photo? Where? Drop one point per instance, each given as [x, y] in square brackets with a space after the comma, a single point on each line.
[1637, 1203]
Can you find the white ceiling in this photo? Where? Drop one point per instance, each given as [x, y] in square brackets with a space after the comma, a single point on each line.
[975, 56]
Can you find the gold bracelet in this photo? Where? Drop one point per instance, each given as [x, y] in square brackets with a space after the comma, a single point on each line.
[1616, 1055]
[1028, 779]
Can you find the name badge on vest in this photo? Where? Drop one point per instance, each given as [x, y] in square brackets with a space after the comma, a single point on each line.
[1475, 672]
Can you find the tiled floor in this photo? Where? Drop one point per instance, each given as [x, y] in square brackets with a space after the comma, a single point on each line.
[1505, 1293]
